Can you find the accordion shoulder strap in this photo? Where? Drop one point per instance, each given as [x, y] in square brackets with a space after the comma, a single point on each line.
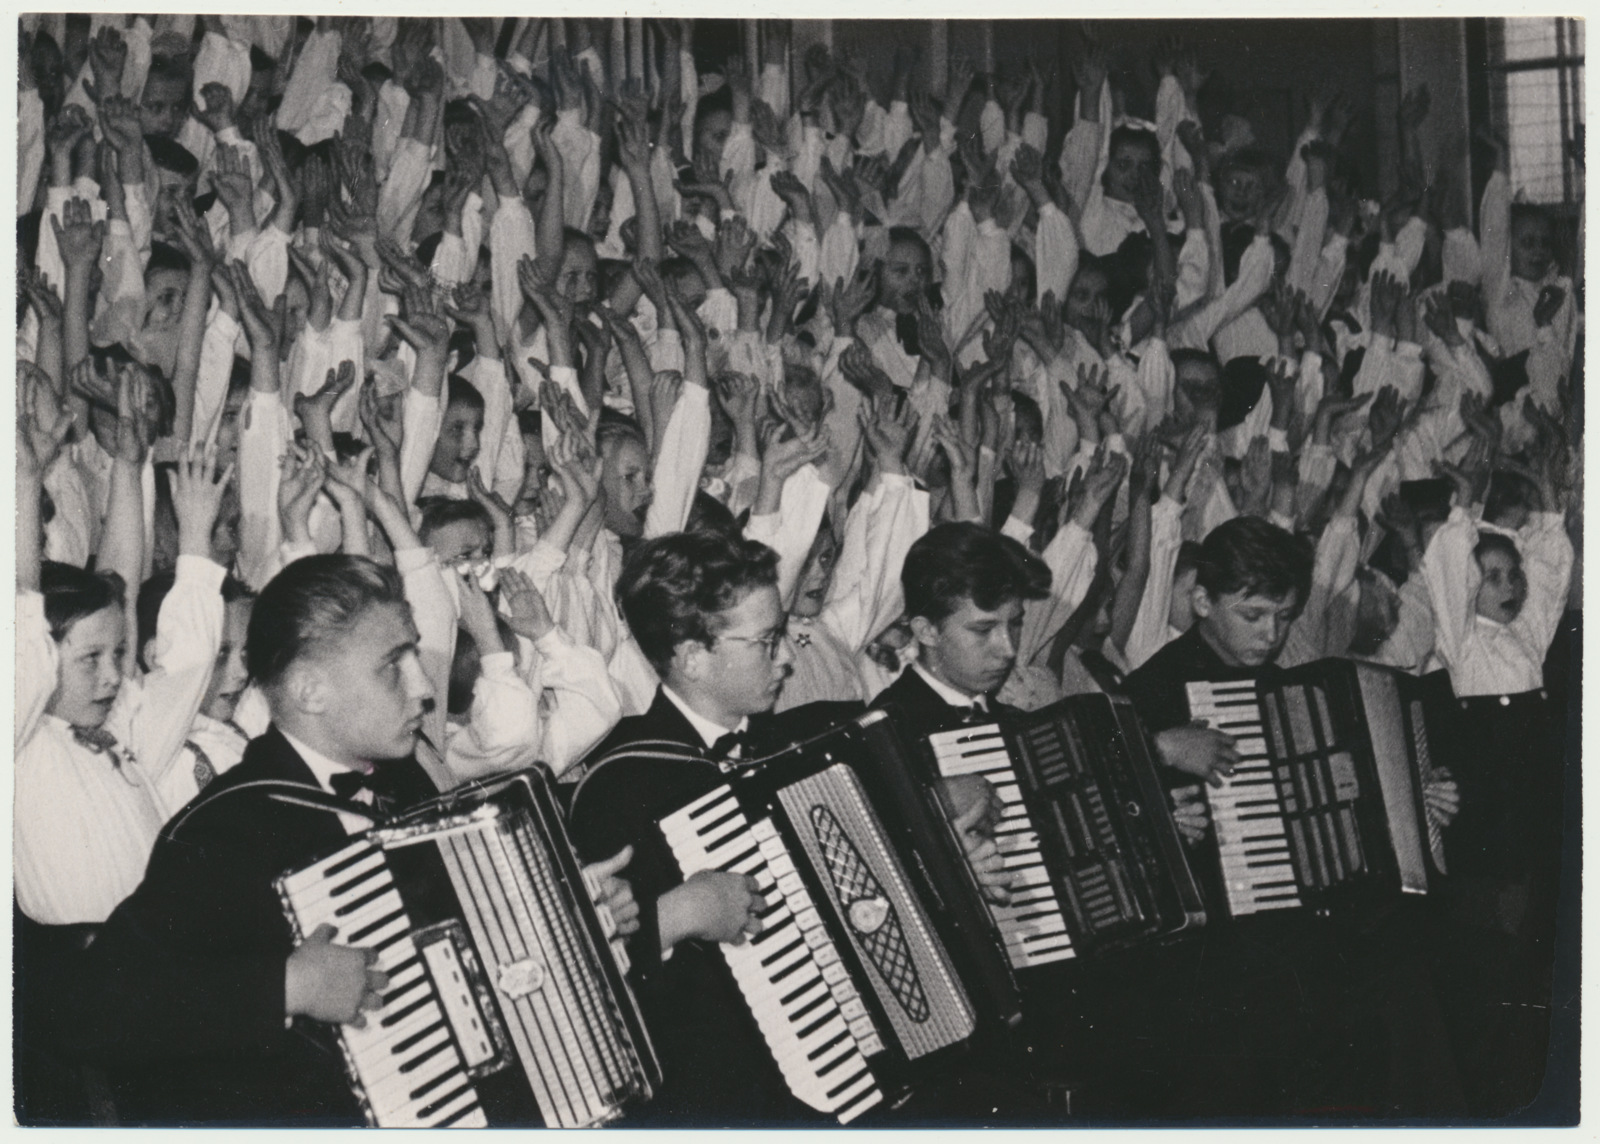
[664, 750]
[279, 790]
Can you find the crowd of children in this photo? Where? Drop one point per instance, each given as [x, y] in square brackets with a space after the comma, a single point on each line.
[574, 351]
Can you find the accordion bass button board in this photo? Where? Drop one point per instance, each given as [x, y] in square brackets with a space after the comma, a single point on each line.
[506, 1004]
[1326, 807]
[1097, 863]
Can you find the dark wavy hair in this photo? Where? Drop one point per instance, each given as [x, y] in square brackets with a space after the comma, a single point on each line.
[963, 560]
[313, 601]
[71, 593]
[1246, 554]
[673, 587]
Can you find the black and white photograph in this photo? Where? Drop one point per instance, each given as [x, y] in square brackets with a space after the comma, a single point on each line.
[672, 571]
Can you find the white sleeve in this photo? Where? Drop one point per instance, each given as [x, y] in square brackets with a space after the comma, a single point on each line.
[1080, 157]
[511, 235]
[421, 418]
[1452, 577]
[1494, 238]
[502, 731]
[1055, 253]
[677, 467]
[1547, 561]
[838, 253]
[313, 74]
[401, 193]
[866, 595]
[263, 434]
[188, 636]
[1072, 558]
[1156, 378]
[488, 377]
[227, 61]
[791, 530]
[37, 667]
[1333, 572]
[897, 129]
[1194, 268]
[1329, 273]
[1307, 251]
[583, 704]
[30, 148]
[580, 161]
[1149, 632]
[433, 610]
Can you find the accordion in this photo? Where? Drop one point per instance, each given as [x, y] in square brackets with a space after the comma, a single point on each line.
[849, 981]
[507, 1003]
[1085, 830]
[1326, 803]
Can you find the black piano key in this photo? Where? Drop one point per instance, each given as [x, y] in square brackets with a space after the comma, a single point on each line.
[846, 1083]
[429, 1110]
[816, 1024]
[344, 864]
[378, 875]
[465, 1110]
[395, 1018]
[446, 1077]
[821, 996]
[394, 995]
[799, 964]
[421, 1059]
[355, 938]
[372, 895]
[791, 997]
[820, 1051]
[768, 935]
[710, 826]
[415, 1039]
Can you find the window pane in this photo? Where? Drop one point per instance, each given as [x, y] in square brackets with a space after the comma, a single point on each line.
[1528, 38]
[1533, 110]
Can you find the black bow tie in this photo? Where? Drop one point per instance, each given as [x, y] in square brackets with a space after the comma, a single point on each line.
[98, 739]
[348, 784]
[977, 713]
[905, 332]
[725, 746]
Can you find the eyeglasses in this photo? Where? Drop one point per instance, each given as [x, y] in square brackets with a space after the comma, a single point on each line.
[772, 641]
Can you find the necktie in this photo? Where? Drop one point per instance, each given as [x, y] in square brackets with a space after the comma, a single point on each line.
[905, 332]
[204, 772]
[977, 713]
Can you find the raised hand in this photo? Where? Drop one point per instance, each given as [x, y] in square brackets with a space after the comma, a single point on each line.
[78, 236]
[529, 615]
[887, 427]
[850, 302]
[214, 107]
[197, 490]
[862, 372]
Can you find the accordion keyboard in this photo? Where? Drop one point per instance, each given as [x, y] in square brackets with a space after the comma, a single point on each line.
[1258, 873]
[799, 991]
[1032, 924]
[412, 1057]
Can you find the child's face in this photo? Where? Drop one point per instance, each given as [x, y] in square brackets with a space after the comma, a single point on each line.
[461, 541]
[1197, 389]
[625, 476]
[229, 677]
[458, 443]
[535, 470]
[579, 278]
[1503, 589]
[712, 136]
[1180, 612]
[1532, 247]
[1245, 630]
[1242, 195]
[90, 668]
[296, 302]
[163, 106]
[1087, 304]
[903, 280]
[1126, 166]
[816, 577]
[972, 648]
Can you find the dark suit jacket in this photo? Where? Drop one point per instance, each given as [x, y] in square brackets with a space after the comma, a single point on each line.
[718, 1070]
[919, 711]
[182, 993]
